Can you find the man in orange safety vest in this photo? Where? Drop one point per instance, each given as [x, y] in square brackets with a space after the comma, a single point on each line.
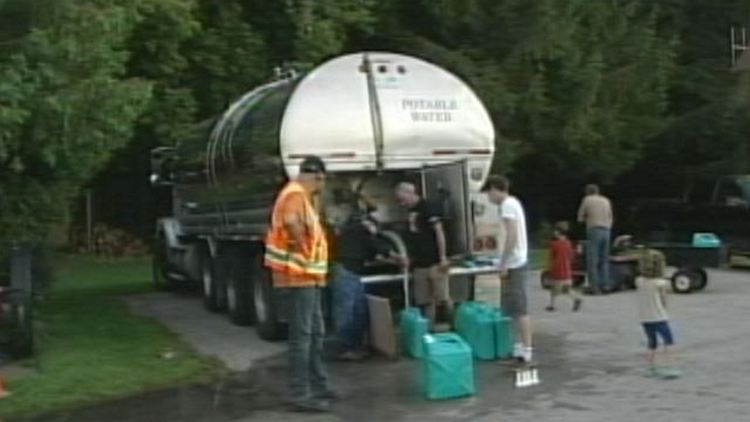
[297, 254]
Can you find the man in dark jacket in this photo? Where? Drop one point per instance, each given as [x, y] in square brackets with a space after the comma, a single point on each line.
[356, 244]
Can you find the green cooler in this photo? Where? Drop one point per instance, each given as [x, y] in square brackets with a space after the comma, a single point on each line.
[448, 367]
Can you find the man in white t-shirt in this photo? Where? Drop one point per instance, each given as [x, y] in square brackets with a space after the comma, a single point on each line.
[514, 253]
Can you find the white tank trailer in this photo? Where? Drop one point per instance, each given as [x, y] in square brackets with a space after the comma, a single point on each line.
[375, 119]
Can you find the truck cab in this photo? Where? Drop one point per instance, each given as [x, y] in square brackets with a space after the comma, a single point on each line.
[719, 205]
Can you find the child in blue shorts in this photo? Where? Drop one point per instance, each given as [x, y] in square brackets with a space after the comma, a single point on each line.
[652, 290]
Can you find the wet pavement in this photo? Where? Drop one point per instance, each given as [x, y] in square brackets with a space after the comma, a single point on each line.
[590, 363]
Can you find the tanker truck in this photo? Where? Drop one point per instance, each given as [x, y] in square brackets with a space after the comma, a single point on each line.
[375, 119]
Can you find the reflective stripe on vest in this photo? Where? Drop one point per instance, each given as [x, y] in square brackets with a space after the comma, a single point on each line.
[308, 267]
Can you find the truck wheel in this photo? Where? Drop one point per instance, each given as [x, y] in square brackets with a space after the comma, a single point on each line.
[213, 297]
[545, 280]
[159, 267]
[22, 333]
[266, 314]
[239, 289]
[683, 281]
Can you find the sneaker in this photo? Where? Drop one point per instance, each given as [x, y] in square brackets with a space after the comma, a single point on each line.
[668, 373]
[550, 309]
[328, 394]
[592, 291]
[577, 305]
[517, 350]
[310, 406]
[351, 356]
[527, 355]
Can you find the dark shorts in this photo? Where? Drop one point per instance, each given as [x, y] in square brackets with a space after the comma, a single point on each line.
[513, 293]
[658, 328]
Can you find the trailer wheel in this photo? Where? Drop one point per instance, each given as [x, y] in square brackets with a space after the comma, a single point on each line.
[239, 289]
[545, 280]
[159, 267]
[702, 279]
[683, 281]
[213, 298]
[266, 313]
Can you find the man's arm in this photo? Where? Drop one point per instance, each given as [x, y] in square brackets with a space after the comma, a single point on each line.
[441, 246]
[582, 211]
[511, 239]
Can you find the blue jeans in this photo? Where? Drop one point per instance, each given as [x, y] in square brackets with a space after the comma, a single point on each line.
[660, 328]
[597, 257]
[350, 314]
[307, 375]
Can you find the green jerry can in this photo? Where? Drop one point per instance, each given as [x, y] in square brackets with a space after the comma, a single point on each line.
[447, 367]
[413, 327]
[475, 322]
[503, 335]
[463, 313]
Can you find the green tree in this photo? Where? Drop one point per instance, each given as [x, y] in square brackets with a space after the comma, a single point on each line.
[322, 27]
[579, 84]
[65, 106]
[708, 104]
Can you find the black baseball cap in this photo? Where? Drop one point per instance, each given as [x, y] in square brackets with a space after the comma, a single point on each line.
[312, 164]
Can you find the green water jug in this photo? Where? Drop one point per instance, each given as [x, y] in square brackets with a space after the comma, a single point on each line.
[447, 367]
[503, 335]
[413, 327]
[475, 323]
[463, 314]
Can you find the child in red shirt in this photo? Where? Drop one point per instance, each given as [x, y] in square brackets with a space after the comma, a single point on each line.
[561, 255]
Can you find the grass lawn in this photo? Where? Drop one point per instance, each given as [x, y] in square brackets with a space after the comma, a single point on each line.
[89, 347]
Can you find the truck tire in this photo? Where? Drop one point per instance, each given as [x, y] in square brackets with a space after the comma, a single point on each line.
[266, 313]
[683, 281]
[214, 298]
[159, 267]
[239, 290]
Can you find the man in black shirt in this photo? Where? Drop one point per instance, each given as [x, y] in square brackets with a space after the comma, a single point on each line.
[427, 250]
[356, 244]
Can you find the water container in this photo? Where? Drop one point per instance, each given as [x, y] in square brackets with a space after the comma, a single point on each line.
[447, 367]
[706, 240]
[475, 322]
[413, 327]
[503, 335]
[463, 313]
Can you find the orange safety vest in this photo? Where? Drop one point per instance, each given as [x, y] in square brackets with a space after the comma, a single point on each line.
[293, 268]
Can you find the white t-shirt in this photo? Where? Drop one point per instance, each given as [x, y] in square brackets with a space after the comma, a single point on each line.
[650, 306]
[513, 210]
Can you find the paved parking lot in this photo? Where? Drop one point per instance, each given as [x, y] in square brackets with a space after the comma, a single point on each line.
[591, 367]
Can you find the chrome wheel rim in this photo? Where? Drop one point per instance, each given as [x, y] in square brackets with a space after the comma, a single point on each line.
[231, 296]
[682, 282]
[207, 281]
[260, 306]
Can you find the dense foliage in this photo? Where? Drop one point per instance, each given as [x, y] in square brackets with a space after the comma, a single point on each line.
[579, 90]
